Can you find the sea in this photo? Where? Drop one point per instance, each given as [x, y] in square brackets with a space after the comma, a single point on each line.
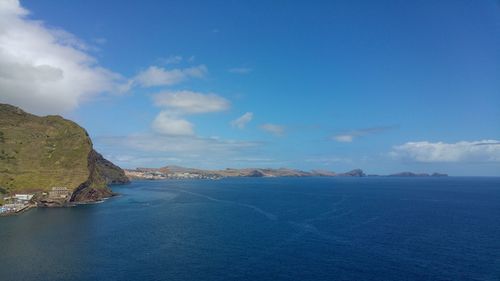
[373, 228]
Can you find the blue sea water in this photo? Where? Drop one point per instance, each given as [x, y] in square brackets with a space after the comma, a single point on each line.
[265, 229]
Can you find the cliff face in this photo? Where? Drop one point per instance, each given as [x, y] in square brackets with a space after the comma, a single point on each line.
[38, 153]
[96, 185]
[111, 173]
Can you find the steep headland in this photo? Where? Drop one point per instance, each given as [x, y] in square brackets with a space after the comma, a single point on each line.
[39, 153]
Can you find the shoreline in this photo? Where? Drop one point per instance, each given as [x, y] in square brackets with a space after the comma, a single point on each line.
[20, 211]
[35, 205]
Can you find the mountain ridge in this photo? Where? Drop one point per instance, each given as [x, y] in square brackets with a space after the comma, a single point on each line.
[183, 172]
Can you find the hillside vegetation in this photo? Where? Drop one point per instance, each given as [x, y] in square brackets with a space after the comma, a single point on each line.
[38, 153]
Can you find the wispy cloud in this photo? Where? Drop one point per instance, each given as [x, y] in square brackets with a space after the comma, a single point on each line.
[187, 144]
[189, 102]
[159, 76]
[254, 160]
[45, 69]
[140, 161]
[240, 70]
[158, 150]
[351, 135]
[328, 160]
[242, 121]
[274, 129]
[344, 138]
[171, 60]
[463, 151]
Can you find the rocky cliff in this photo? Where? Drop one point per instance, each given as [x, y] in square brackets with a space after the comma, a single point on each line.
[353, 173]
[38, 153]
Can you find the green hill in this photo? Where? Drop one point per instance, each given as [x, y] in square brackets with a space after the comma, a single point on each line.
[38, 153]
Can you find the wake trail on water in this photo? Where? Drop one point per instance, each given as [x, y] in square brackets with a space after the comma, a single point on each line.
[258, 210]
[309, 228]
[303, 227]
[327, 214]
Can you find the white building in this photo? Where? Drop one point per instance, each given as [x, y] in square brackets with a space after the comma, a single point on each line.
[23, 197]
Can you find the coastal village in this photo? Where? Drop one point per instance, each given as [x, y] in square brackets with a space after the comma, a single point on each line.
[158, 175]
[18, 203]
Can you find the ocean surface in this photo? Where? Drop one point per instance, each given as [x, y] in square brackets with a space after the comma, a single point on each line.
[265, 229]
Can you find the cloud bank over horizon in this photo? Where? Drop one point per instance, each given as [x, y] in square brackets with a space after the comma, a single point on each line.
[463, 151]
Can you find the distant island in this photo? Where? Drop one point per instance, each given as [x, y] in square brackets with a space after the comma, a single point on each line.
[410, 174]
[177, 172]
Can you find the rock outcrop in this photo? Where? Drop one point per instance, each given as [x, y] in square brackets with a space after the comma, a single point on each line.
[411, 174]
[353, 173]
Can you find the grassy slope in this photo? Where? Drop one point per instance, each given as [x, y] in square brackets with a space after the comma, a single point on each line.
[37, 153]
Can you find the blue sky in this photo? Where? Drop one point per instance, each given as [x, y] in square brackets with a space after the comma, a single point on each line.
[386, 86]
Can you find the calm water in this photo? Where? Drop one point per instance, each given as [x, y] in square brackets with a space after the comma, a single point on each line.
[265, 229]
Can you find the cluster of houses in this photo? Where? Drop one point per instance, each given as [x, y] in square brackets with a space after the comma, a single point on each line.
[59, 192]
[19, 202]
[156, 175]
[15, 203]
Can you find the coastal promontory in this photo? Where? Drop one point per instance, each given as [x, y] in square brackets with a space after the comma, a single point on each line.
[40, 155]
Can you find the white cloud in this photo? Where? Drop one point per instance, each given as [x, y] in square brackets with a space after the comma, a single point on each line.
[350, 136]
[159, 76]
[46, 70]
[171, 60]
[254, 159]
[158, 150]
[179, 146]
[463, 151]
[12, 7]
[134, 161]
[167, 124]
[343, 138]
[240, 70]
[242, 121]
[328, 160]
[188, 102]
[177, 104]
[274, 129]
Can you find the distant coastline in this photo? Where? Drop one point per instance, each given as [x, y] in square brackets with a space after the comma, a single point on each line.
[177, 172]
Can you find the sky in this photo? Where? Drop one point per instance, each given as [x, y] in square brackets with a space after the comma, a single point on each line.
[386, 86]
